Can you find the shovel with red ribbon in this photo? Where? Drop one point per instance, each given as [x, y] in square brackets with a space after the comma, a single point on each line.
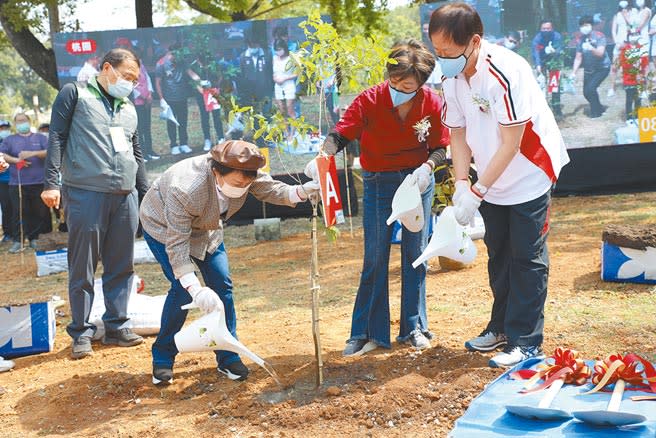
[565, 366]
[620, 370]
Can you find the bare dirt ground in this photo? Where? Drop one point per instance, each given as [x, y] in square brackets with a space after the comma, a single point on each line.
[396, 392]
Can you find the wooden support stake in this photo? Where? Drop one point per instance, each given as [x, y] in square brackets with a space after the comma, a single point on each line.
[314, 279]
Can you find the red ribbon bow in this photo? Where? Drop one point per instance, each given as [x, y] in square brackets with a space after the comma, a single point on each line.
[615, 367]
[567, 365]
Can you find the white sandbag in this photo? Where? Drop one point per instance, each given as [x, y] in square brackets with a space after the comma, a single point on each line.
[142, 253]
[145, 312]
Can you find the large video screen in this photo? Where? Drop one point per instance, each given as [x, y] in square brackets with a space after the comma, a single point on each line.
[191, 75]
[609, 100]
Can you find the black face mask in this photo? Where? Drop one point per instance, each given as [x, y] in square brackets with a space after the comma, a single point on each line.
[547, 34]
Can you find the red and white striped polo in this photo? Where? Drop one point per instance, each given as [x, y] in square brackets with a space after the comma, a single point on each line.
[504, 92]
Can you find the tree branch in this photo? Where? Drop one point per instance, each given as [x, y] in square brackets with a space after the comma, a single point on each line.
[35, 54]
[272, 8]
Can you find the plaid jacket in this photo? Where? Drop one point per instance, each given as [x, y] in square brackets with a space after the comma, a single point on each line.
[181, 210]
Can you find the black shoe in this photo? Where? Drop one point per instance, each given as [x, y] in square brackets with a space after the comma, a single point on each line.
[234, 371]
[81, 347]
[162, 376]
[125, 337]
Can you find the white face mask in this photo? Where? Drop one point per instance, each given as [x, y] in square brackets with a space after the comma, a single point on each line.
[640, 3]
[122, 88]
[509, 45]
[624, 4]
[585, 30]
[232, 191]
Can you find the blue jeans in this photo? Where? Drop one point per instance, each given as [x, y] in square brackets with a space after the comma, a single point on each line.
[216, 274]
[371, 314]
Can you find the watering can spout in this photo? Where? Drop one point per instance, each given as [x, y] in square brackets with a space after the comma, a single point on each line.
[449, 240]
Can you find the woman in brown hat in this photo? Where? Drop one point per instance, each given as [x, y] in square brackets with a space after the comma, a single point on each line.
[182, 216]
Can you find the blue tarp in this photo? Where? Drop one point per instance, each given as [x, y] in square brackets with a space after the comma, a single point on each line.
[487, 415]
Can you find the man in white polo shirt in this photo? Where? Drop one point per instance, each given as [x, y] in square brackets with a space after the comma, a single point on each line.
[499, 116]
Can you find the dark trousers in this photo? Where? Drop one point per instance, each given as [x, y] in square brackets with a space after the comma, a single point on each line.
[591, 81]
[5, 205]
[632, 101]
[143, 127]
[101, 226]
[518, 266]
[36, 216]
[180, 111]
[205, 119]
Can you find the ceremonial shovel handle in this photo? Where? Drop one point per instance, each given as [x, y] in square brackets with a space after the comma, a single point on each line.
[550, 394]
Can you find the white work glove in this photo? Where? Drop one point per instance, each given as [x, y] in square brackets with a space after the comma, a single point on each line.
[301, 193]
[423, 176]
[465, 207]
[586, 46]
[311, 170]
[549, 49]
[462, 186]
[205, 299]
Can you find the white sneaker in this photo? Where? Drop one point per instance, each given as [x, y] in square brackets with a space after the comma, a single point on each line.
[358, 347]
[610, 92]
[175, 150]
[185, 149]
[208, 145]
[6, 365]
[514, 354]
[486, 341]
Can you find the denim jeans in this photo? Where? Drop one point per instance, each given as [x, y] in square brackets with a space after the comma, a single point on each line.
[371, 314]
[216, 274]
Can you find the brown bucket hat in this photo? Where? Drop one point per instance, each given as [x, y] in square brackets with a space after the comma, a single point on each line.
[238, 154]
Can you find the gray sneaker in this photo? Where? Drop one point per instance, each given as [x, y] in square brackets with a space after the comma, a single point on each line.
[486, 341]
[125, 337]
[162, 375]
[81, 347]
[418, 340]
[358, 347]
[15, 247]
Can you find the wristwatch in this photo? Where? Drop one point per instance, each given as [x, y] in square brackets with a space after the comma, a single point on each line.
[480, 188]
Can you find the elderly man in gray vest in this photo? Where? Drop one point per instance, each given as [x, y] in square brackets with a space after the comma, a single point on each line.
[182, 216]
[94, 144]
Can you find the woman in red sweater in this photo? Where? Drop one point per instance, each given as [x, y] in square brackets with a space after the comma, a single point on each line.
[398, 125]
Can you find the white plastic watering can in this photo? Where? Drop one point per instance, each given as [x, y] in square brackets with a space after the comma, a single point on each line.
[449, 240]
[210, 333]
[407, 206]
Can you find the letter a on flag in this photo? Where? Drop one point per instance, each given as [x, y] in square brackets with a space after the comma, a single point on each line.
[330, 193]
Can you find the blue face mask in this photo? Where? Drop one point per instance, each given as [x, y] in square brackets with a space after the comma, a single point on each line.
[5, 133]
[452, 67]
[399, 97]
[23, 128]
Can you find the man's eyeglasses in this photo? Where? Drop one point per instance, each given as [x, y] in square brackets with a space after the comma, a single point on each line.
[120, 75]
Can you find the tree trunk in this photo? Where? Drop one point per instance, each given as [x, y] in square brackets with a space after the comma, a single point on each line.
[53, 18]
[144, 12]
[35, 54]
